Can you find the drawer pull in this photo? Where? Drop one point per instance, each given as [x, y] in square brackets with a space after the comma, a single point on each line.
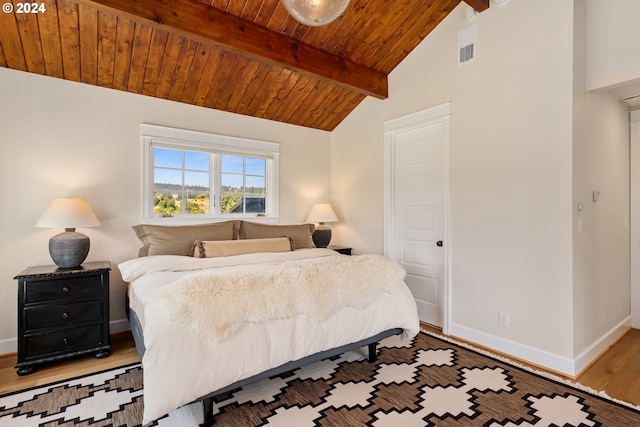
[65, 315]
[65, 340]
[65, 289]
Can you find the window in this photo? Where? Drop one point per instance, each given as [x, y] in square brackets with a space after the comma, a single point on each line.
[198, 175]
[243, 184]
[181, 181]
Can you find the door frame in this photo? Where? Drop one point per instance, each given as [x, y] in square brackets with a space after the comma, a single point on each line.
[438, 114]
[634, 238]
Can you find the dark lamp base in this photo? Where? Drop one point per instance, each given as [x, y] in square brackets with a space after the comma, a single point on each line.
[321, 237]
[69, 249]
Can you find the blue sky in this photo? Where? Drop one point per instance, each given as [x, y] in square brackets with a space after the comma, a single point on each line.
[198, 163]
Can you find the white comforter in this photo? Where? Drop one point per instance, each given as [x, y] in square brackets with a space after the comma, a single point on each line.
[181, 366]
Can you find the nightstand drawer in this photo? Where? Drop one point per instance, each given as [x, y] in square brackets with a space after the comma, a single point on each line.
[55, 290]
[63, 341]
[63, 315]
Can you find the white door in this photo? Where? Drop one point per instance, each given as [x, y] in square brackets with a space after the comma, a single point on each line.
[417, 187]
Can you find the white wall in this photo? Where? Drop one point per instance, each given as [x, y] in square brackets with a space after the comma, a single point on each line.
[613, 62]
[601, 249]
[60, 138]
[511, 172]
[601, 230]
[528, 143]
[613, 42]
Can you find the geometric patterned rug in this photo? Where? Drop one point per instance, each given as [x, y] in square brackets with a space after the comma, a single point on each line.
[428, 382]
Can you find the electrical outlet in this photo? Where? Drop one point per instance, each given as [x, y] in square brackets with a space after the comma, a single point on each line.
[503, 319]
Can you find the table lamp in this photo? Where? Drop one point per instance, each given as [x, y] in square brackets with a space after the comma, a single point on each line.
[321, 213]
[68, 249]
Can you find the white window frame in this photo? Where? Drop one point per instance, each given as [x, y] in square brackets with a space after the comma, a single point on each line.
[181, 139]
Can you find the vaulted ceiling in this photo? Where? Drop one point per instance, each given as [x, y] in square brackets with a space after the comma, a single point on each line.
[244, 56]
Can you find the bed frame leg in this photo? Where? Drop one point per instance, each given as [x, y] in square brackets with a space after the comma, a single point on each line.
[373, 355]
[207, 406]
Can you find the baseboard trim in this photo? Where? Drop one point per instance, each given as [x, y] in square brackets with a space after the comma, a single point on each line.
[119, 325]
[544, 359]
[601, 345]
[550, 361]
[10, 345]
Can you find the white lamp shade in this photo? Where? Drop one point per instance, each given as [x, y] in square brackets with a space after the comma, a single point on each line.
[322, 212]
[68, 212]
[315, 13]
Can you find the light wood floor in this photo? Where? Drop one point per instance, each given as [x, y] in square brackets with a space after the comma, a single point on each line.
[617, 372]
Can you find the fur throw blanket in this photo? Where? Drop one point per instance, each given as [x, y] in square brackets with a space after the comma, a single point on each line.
[215, 304]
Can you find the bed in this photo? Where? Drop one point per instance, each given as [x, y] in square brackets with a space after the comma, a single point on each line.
[208, 317]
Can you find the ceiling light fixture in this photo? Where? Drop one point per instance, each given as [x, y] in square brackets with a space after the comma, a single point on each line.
[315, 13]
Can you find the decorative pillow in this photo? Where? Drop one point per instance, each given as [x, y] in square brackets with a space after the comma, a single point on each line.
[178, 240]
[300, 233]
[210, 249]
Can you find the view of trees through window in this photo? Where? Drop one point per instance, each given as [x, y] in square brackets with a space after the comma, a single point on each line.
[168, 198]
[183, 181]
[243, 184]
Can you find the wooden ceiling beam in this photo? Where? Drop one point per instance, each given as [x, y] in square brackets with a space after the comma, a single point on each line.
[478, 5]
[206, 24]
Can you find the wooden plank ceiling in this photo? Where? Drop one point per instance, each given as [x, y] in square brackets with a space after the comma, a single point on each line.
[244, 56]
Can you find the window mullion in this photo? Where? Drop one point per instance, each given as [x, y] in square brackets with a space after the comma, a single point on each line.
[183, 200]
[215, 184]
[244, 184]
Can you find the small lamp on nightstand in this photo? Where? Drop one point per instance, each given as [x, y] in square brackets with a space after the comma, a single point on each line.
[321, 213]
[68, 249]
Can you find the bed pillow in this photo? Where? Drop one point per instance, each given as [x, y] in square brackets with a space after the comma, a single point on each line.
[300, 233]
[178, 239]
[211, 249]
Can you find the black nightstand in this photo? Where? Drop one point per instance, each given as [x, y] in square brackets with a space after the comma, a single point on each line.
[62, 313]
[340, 249]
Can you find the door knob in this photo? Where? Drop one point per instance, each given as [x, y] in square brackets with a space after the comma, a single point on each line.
[439, 243]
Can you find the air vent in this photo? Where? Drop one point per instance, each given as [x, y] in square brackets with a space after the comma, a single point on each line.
[467, 39]
[466, 54]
